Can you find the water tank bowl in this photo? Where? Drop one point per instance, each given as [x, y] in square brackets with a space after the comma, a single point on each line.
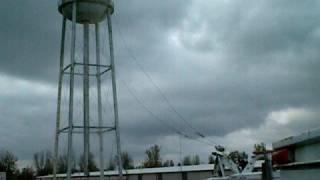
[88, 11]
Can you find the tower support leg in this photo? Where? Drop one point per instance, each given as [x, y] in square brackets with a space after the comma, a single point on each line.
[101, 147]
[70, 118]
[58, 116]
[115, 100]
[86, 98]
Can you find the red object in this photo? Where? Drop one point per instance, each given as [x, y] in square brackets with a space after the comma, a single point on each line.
[281, 156]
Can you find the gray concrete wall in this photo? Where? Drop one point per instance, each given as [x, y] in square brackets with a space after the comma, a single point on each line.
[149, 177]
[199, 175]
[305, 174]
[171, 176]
[112, 178]
[133, 177]
[308, 152]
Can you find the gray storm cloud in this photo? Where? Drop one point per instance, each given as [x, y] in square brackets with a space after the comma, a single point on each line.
[233, 69]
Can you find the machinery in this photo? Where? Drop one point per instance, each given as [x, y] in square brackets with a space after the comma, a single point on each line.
[223, 162]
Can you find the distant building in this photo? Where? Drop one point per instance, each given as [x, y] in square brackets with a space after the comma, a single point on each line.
[298, 157]
[197, 172]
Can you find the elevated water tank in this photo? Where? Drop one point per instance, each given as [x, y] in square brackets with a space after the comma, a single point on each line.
[88, 11]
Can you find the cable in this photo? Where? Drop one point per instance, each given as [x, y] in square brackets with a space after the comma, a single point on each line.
[150, 112]
[164, 97]
[175, 130]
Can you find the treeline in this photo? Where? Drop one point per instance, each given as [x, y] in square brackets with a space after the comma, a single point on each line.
[43, 162]
[8, 164]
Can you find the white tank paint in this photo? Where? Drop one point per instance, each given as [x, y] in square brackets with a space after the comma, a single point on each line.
[88, 11]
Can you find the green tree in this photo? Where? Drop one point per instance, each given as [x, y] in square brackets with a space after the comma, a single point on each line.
[153, 158]
[260, 148]
[8, 164]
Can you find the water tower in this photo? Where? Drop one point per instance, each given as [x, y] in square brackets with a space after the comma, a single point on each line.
[86, 14]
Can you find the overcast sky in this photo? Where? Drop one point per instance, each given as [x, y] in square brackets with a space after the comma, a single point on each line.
[239, 72]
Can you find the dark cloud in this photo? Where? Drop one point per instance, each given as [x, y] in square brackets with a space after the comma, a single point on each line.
[230, 68]
[30, 38]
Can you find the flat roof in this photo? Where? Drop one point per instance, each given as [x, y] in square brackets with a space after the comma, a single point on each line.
[300, 165]
[309, 137]
[172, 169]
[201, 167]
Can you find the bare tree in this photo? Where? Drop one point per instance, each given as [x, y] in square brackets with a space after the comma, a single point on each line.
[62, 163]
[27, 173]
[153, 158]
[211, 159]
[196, 160]
[92, 166]
[43, 162]
[187, 161]
[8, 163]
[171, 163]
[168, 163]
[111, 166]
[127, 162]
[191, 160]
